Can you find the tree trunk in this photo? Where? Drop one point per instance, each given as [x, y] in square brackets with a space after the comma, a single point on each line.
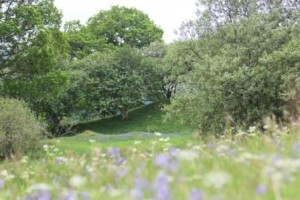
[124, 112]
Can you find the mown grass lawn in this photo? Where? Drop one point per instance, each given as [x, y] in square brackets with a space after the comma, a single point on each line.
[142, 119]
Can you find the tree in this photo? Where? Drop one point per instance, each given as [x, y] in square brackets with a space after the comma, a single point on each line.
[82, 42]
[32, 48]
[240, 73]
[124, 26]
[115, 80]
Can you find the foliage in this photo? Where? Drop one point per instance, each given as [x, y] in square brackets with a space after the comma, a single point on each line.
[19, 129]
[21, 22]
[244, 55]
[32, 52]
[82, 41]
[124, 26]
[117, 80]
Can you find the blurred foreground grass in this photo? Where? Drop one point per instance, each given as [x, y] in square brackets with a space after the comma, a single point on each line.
[245, 166]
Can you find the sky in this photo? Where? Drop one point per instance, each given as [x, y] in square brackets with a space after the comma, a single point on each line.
[167, 14]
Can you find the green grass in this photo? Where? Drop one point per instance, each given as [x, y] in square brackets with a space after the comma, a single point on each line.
[143, 119]
[227, 168]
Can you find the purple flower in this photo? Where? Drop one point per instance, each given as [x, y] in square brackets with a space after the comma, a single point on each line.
[161, 187]
[276, 159]
[163, 193]
[55, 180]
[161, 179]
[211, 145]
[121, 172]
[231, 153]
[142, 184]
[85, 196]
[39, 195]
[58, 160]
[120, 161]
[162, 160]
[165, 161]
[261, 190]
[2, 183]
[71, 195]
[196, 195]
[136, 194]
[174, 151]
[112, 151]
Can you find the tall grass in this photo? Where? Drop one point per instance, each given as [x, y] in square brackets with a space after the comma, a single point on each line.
[246, 166]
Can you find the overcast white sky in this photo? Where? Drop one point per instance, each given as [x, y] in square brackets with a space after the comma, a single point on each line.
[167, 14]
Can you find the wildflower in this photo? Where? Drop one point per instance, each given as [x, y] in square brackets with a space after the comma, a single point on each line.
[60, 160]
[142, 184]
[174, 151]
[157, 134]
[55, 180]
[120, 161]
[210, 146]
[161, 179]
[112, 151]
[196, 195]
[121, 172]
[252, 129]
[85, 196]
[162, 160]
[137, 142]
[231, 153]
[2, 182]
[188, 155]
[163, 193]
[161, 186]
[40, 195]
[136, 194]
[92, 141]
[217, 179]
[76, 181]
[70, 195]
[261, 190]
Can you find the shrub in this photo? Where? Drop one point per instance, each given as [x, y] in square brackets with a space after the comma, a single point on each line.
[19, 129]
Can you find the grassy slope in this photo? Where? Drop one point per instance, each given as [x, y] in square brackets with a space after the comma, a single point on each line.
[143, 119]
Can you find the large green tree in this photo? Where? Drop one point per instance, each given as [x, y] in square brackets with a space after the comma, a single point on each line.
[246, 63]
[82, 41]
[32, 48]
[124, 26]
[116, 80]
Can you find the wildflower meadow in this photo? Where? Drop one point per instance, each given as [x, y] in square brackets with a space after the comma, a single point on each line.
[248, 165]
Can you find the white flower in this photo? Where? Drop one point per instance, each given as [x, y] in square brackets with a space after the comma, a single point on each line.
[137, 142]
[38, 186]
[157, 134]
[217, 179]
[92, 141]
[252, 129]
[188, 155]
[4, 173]
[76, 181]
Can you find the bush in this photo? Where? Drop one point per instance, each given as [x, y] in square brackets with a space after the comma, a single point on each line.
[19, 129]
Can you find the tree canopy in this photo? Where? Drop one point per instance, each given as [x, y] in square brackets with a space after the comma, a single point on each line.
[245, 65]
[32, 46]
[124, 26]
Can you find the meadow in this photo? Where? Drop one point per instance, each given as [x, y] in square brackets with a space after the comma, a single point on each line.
[248, 165]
